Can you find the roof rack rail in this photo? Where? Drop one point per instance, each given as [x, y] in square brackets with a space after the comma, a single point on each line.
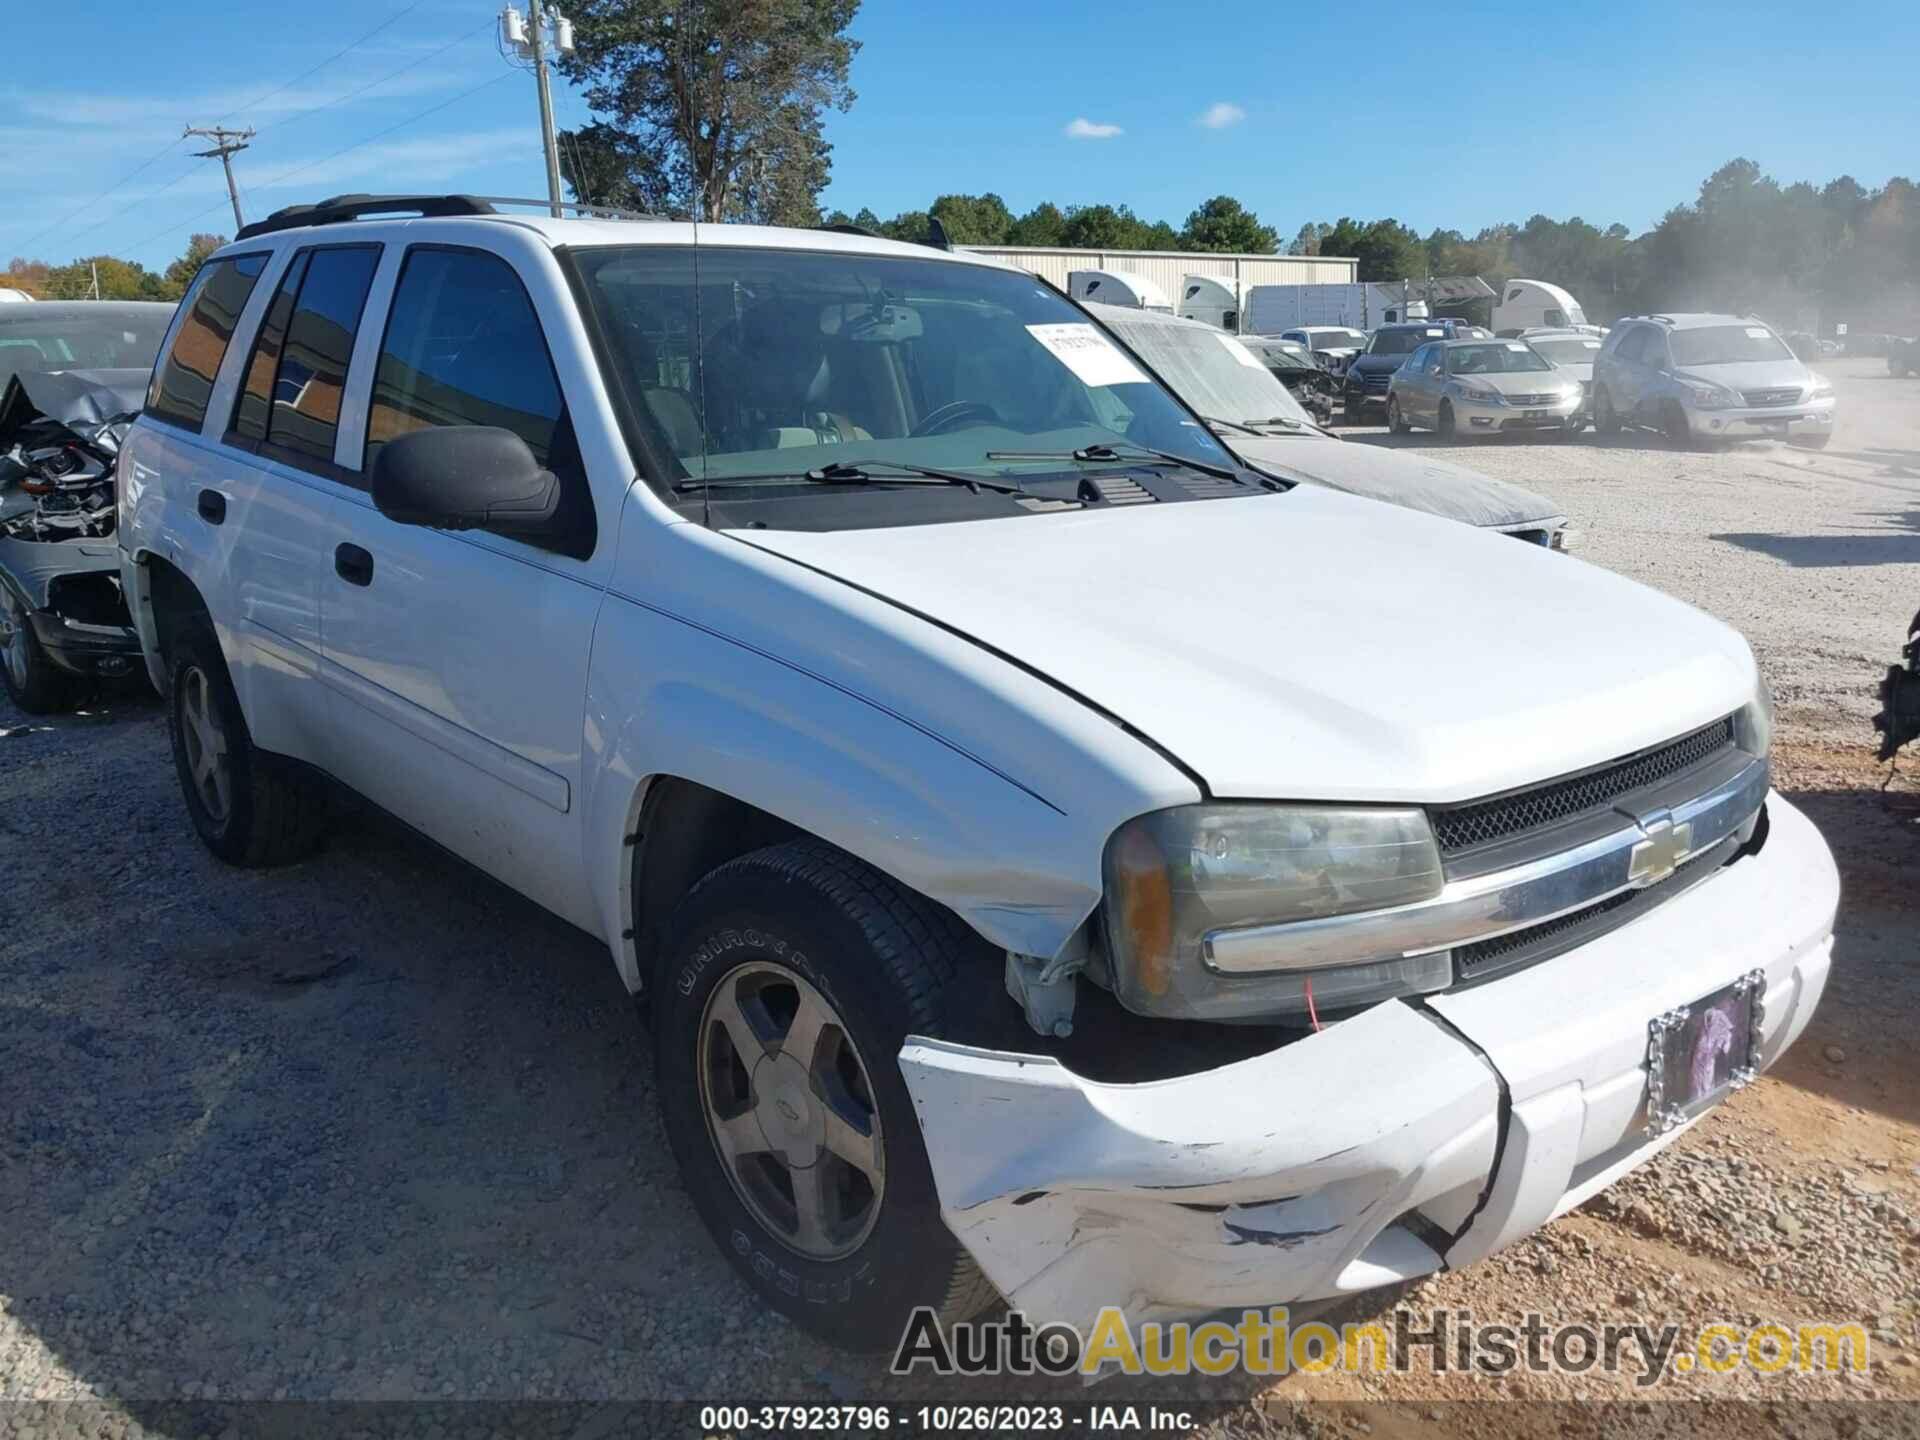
[340, 208]
[337, 208]
[847, 229]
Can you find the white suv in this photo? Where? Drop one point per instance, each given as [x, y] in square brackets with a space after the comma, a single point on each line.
[1060, 861]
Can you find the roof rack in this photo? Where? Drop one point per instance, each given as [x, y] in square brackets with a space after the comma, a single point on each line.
[340, 208]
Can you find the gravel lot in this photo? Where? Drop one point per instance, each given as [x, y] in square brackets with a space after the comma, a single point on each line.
[373, 1128]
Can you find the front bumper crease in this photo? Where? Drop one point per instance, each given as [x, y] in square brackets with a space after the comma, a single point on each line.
[1325, 1167]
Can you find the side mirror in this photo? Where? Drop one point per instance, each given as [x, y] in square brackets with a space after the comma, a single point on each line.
[466, 477]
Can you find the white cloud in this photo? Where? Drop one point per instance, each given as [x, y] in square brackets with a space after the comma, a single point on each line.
[1081, 128]
[1221, 114]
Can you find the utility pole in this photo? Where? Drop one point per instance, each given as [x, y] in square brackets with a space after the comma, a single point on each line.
[528, 38]
[227, 144]
[538, 37]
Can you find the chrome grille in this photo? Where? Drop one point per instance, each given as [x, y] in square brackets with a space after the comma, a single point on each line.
[1377, 379]
[1465, 827]
[1771, 397]
[1545, 399]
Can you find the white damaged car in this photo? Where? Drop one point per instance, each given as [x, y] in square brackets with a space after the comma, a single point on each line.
[1061, 862]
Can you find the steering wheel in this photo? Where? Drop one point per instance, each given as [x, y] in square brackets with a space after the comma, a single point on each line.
[945, 417]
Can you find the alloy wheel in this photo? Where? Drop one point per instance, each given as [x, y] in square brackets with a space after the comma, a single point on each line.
[205, 739]
[791, 1110]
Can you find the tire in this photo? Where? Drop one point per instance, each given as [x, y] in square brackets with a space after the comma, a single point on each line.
[804, 921]
[1606, 420]
[1396, 421]
[1449, 428]
[1673, 423]
[33, 682]
[249, 807]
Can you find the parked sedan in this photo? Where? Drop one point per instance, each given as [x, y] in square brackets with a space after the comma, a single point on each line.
[1253, 415]
[1482, 387]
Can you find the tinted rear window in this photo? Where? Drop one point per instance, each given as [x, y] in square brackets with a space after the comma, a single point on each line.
[183, 381]
[110, 340]
[305, 414]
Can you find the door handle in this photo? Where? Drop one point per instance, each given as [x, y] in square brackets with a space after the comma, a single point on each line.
[353, 565]
[212, 506]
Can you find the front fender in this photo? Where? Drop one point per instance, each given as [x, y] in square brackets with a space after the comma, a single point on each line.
[1009, 859]
[950, 769]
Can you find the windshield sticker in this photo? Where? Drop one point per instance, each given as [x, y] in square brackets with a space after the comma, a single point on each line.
[1759, 332]
[1238, 351]
[1519, 345]
[1088, 354]
[1435, 334]
[1591, 344]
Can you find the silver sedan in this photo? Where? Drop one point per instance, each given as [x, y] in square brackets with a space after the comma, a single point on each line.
[1483, 387]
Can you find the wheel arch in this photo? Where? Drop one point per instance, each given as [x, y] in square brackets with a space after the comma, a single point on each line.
[161, 592]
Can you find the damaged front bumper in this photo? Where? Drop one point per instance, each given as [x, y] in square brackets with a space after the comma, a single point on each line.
[69, 592]
[1404, 1140]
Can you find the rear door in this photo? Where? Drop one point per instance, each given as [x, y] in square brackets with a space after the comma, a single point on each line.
[285, 492]
[456, 663]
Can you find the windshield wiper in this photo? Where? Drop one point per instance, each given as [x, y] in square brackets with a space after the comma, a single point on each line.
[843, 473]
[1256, 427]
[1107, 455]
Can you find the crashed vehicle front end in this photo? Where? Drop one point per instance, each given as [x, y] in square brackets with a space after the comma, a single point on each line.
[1489, 967]
[1899, 719]
[63, 616]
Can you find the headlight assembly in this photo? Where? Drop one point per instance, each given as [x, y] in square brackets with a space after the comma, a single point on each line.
[1753, 724]
[1184, 888]
[1709, 397]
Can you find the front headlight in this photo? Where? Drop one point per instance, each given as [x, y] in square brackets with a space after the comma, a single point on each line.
[1822, 389]
[1710, 397]
[1181, 884]
[1482, 395]
[1753, 724]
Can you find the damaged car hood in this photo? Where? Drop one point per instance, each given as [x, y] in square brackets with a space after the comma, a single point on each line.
[1436, 486]
[75, 398]
[1312, 644]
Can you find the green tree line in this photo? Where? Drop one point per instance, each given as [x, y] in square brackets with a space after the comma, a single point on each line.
[118, 279]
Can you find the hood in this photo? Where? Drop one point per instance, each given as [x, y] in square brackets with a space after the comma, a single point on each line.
[1519, 382]
[1581, 370]
[1750, 374]
[1312, 645]
[1377, 364]
[1398, 477]
[75, 398]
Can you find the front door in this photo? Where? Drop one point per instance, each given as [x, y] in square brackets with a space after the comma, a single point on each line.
[456, 663]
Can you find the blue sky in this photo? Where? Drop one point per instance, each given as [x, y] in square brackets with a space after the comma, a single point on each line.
[1493, 111]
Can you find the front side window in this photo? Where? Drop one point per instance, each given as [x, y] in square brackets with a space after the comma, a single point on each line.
[464, 347]
[183, 381]
[775, 362]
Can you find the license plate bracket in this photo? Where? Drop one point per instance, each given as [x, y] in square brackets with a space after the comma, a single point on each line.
[1697, 1054]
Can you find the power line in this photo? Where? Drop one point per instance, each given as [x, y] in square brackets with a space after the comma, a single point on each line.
[375, 84]
[312, 164]
[174, 144]
[304, 74]
[171, 146]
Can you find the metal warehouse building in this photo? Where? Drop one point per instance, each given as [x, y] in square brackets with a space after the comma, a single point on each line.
[1167, 268]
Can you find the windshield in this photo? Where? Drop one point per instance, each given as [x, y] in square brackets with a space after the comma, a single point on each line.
[1210, 370]
[1568, 349]
[1338, 340]
[1497, 357]
[777, 362]
[1404, 342]
[1725, 345]
[89, 342]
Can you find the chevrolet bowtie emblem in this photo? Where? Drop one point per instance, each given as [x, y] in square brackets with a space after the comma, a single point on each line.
[1660, 854]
